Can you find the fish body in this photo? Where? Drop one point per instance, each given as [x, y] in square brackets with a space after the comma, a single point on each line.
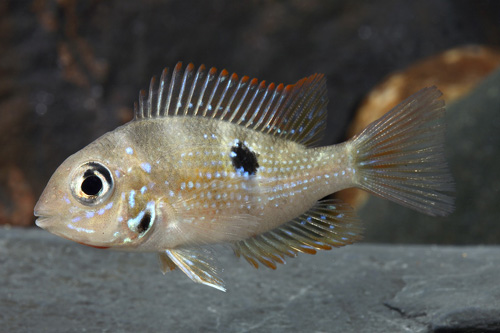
[210, 158]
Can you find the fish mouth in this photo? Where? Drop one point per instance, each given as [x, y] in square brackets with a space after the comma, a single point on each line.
[43, 221]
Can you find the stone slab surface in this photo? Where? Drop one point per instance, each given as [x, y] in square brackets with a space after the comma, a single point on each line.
[53, 285]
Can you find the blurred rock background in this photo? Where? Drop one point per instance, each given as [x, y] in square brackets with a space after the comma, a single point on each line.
[70, 71]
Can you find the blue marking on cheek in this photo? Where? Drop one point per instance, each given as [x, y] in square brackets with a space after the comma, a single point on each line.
[146, 167]
[76, 219]
[88, 231]
[131, 199]
[118, 174]
[143, 189]
[89, 215]
[120, 219]
[108, 206]
[66, 200]
[101, 211]
[129, 150]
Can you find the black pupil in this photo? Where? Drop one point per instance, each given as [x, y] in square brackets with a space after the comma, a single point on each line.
[145, 223]
[92, 185]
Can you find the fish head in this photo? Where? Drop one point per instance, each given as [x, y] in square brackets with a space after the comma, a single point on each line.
[97, 197]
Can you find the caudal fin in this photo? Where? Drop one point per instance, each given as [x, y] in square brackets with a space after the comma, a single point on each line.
[400, 156]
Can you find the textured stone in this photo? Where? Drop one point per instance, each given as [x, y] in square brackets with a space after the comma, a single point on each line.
[53, 285]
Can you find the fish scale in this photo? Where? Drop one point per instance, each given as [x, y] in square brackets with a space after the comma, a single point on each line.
[213, 158]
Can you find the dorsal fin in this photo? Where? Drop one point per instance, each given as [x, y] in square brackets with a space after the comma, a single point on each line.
[295, 112]
[329, 223]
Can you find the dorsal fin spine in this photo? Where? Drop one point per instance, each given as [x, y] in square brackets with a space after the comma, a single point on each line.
[185, 104]
[225, 89]
[274, 104]
[272, 108]
[171, 87]
[278, 111]
[208, 104]
[181, 91]
[161, 87]
[251, 86]
[194, 103]
[203, 88]
[262, 87]
[269, 91]
[142, 95]
[150, 97]
[232, 81]
[241, 84]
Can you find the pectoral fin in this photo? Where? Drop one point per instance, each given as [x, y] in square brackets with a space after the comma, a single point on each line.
[197, 264]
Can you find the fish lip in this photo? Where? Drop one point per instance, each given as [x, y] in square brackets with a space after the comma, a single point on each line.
[42, 221]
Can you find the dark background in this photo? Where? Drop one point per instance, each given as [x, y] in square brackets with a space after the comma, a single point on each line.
[71, 70]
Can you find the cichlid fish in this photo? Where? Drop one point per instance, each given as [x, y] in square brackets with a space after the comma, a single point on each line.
[211, 158]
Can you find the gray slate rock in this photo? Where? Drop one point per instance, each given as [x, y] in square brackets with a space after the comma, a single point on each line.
[53, 285]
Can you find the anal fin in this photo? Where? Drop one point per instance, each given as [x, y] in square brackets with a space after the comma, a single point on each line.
[197, 264]
[329, 223]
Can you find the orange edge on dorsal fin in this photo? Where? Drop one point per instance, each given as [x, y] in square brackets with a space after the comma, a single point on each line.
[296, 111]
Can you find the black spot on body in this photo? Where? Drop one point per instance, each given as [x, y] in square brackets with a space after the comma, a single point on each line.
[145, 223]
[243, 158]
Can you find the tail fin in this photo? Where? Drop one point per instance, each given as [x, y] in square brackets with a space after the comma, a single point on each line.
[400, 156]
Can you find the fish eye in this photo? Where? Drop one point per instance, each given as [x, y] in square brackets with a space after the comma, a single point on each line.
[92, 183]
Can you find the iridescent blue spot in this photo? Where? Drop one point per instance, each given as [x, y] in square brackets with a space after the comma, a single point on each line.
[108, 206]
[101, 211]
[129, 150]
[146, 167]
[323, 217]
[131, 199]
[76, 219]
[89, 214]
[143, 189]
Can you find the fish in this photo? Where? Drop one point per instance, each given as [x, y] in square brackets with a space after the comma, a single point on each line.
[214, 158]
